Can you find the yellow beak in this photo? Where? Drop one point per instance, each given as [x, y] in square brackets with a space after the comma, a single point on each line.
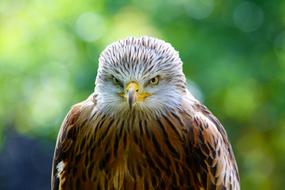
[134, 94]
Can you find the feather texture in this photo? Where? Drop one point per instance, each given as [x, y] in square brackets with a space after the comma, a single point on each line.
[175, 151]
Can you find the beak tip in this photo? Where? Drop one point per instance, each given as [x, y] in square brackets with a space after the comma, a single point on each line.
[130, 105]
[131, 98]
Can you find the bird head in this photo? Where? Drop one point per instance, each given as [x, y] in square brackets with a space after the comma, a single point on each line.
[139, 74]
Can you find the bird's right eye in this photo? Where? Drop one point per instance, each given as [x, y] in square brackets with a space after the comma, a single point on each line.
[116, 81]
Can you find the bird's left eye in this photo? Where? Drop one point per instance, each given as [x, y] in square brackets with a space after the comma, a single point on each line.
[154, 80]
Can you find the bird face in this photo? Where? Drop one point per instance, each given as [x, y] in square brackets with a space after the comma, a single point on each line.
[139, 74]
[134, 93]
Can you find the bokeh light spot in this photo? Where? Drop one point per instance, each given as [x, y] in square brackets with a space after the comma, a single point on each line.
[47, 102]
[248, 16]
[240, 102]
[90, 26]
[199, 9]
[129, 21]
[61, 47]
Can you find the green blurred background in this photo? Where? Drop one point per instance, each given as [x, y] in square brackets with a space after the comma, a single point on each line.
[233, 54]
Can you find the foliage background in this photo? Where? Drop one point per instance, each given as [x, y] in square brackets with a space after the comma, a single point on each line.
[233, 53]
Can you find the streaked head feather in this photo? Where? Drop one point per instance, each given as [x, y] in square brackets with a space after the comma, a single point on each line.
[140, 59]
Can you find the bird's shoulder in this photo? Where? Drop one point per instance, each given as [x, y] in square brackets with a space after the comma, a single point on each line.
[210, 152]
[69, 130]
[205, 122]
[77, 115]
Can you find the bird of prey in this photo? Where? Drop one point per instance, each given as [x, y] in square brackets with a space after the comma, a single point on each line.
[141, 128]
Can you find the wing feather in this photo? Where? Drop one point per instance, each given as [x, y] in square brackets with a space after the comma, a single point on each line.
[66, 140]
[211, 156]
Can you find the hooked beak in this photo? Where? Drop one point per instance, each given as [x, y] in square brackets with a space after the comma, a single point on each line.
[134, 94]
[131, 96]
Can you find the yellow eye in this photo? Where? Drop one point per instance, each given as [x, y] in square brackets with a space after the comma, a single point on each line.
[154, 81]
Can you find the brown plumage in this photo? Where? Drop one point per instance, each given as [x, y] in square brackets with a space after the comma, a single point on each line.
[179, 146]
